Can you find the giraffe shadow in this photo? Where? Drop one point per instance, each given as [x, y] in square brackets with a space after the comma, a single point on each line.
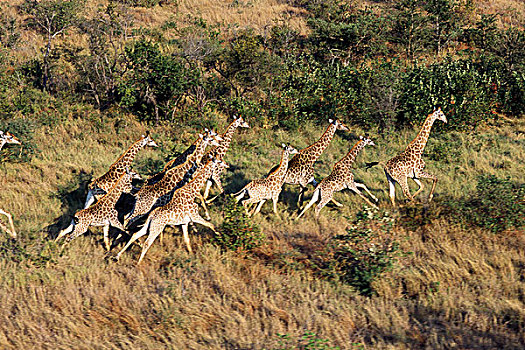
[72, 197]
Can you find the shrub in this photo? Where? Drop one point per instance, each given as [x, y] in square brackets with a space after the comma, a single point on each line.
[498, 204]
[365, 252]
[237, 232]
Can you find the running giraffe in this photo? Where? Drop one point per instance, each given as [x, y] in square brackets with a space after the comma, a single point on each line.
[301, 167]
[181, 210]
[260, 190]
[148, 196]
[340, 178]
[219, 153]
[104, 183]
[102, 213]
[410, 163]
[8, 138]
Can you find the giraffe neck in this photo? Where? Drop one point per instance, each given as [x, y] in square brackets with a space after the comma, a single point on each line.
[280, 172]
[126, 159]
[352, 154]
[227, 137]
[200, 147]
[194, 186]
[315, 150]
[418, 144]
[113, 195]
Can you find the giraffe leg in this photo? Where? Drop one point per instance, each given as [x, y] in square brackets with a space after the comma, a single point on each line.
[434, 178]
[199, 220]
[403, 182]
[258, 207]
[356, 190]
[326, 197]
[11, 231]
[275, 199]
[106, 237]
[239, 195]
[420, 184]
[207, 189]
[186, 237]
[336, 203]
[360, 185]
[300, 198]
[154, 232]
[65, 231]
[80, 228]
[90, 198]
[143, 231]
[392, 187]
[314, 199]
[203, 203]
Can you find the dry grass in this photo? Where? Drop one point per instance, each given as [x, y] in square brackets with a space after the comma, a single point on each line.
[460, 289]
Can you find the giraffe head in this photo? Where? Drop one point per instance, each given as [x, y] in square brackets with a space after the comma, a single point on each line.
[289, 149]
[240, 123]
[212, 137]
[130, 175]
[438, 115]
[338, 125]
[148, 141]
[7, 137]
[367, 141]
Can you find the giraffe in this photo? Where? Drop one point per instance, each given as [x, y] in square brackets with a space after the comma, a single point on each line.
[340, 178]
[409, 163]
[8, 138]
[301, 167]
[175, 177]
[219, 153]
[102, 213]
[184, 155]
[260, 190]
[105, 182]
[181, 210]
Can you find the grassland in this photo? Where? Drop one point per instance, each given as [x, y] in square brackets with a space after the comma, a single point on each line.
[459, 286]
[463, 287]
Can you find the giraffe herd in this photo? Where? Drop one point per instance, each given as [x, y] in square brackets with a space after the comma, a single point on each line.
[169, 197]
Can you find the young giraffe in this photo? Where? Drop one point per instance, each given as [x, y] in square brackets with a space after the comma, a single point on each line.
[181, 210]
[219, 153]
[148, 195]
[8, 138]
[184, 156]
[260, 190]
[410, 162]
[340, 178]
[301, 167]
[104, 183]
[102, 213]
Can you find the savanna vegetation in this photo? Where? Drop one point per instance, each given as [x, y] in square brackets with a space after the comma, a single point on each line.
[81, 80]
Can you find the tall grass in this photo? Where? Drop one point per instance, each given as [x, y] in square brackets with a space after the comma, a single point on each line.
[461, 287]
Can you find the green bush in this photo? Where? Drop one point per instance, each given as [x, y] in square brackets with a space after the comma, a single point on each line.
[237, 232]
[365, 252]
[498, 204]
